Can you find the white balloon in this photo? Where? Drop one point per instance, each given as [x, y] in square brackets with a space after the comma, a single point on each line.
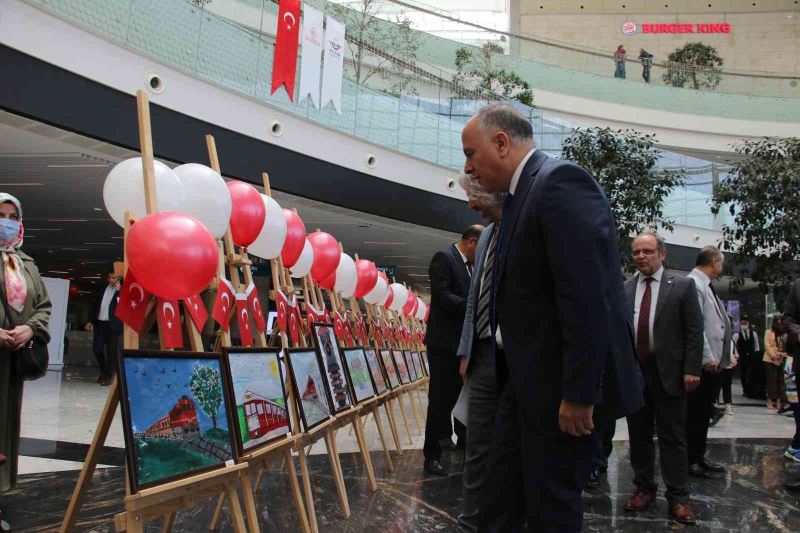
[205, 196]
[303, 265]
[346, 277]
[123, 190]
[386, 296]
[378, 293]
[400, 296]
[421, 310]
[269, 243]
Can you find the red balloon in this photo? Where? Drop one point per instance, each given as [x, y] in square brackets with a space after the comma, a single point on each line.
[295, 238]
[326, 255]
[172, 255]
[367, 274]
[247, 212]
[389, 299]
[329, 282]
[411, 304]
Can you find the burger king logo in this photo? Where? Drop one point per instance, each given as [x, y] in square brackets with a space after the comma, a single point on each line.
[629, 28]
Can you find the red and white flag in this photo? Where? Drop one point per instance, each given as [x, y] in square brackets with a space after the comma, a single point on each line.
[284, 64]
[223, 305]
[254, 304]
[314, 315]
[132, 303]
[294, 321]
[338, 326]
[282, 303]
[361, 330]
[243, 317]
[169, 323]
[375, 331]
[194, 306]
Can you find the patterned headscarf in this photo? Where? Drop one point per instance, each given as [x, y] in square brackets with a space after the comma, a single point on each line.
[16, 286]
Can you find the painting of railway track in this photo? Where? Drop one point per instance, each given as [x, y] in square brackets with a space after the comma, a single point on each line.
[175, 414]
[309, 386]
[256, 386]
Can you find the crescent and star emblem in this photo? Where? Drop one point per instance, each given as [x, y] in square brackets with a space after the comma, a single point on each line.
[289, 24]
[257, 306]
[225, 296]
[244, 319]
[164, 308]
[136, 286]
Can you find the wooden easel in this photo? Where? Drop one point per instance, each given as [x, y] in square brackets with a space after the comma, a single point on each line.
[165, 500]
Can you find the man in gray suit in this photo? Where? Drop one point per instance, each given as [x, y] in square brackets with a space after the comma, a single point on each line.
[669, 346]
[716, 356]
[477, 361]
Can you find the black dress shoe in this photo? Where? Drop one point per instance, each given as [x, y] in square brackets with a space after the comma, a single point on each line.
[708, 466]
[434, 467]
[793, 485]
[594, 480]
[696, 470]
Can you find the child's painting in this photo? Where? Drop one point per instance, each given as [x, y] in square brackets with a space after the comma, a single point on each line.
[309, 386]
[358, 371]
[402, 369]
[259, 398]
[412, 370]
[417, 365]
[391, 371]
[328, 347]
[176, 415]
[425, 363]
[375, 371]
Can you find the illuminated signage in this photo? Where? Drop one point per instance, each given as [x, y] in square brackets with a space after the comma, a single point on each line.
[629, 28]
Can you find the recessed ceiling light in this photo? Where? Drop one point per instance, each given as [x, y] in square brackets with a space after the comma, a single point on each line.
[91, 277]
[58, 272]
[97, 208]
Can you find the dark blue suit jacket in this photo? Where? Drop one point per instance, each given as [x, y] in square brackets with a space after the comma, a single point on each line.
[560, 302]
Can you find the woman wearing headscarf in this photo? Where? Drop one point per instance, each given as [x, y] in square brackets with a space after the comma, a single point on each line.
[29, 307]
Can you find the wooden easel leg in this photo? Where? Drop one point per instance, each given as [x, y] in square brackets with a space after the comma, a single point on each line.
[387, 406]
[259, 478]
[217, 512]
[362, 444]
[414, 411]
[387, 458]
[295, 486]
[89, 464]
[169, 521]
[337, 474]
[236, 511]
[249, 502]
[405, 419]
[309, 495]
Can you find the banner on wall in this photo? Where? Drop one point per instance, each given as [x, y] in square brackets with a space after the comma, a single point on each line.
[312, 54]
[333, 69]
[284, 64]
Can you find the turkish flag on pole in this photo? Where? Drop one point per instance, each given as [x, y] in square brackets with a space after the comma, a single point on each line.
[284, 64]
[283, 309]
[243, 317]
[254, 304]
[313, 315]
[194, 306]
[223, 305]
[338, 326]
[132, 303]
[294, 321]
[169, 323]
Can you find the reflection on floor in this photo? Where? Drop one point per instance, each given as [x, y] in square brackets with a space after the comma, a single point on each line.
[60, 413]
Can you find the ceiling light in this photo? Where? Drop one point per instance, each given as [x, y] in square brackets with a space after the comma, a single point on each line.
[97, 208]
[77, 165]
[27, 184]
[58, 272]
[117, 237]
[91, 277]
[78, 249]
[381, 242]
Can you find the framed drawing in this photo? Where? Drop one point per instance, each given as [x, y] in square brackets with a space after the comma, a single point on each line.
[358, 372]
[328, 347]
[309, 386]
[412, 371]
[256, 386]
[391, 370]
[402, 369]
[176, 415]
[375, 372]
[417, 364]
[424, 357]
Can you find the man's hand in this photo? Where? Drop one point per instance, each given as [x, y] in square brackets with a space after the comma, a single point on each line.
[690, 382]
[462, 368]
[6, 340]
[711, 368]
[575, 419]
[21, 335]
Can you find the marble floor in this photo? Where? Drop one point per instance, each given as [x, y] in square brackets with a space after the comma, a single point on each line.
[61, 410]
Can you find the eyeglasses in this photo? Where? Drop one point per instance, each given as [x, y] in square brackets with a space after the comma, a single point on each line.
[644, 251]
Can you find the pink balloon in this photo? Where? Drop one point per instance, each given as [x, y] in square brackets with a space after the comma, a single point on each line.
[295, 238]
[247, 212]
[411, 304]
[172, 255]
[367, 277]
[326, 255]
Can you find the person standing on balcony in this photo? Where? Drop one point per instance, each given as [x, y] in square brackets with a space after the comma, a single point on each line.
[646, 59]
[619, 61]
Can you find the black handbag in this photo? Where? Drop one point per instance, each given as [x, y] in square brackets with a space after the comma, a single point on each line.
[30, 362]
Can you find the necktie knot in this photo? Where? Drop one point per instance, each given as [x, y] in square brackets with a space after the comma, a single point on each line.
[649, 279]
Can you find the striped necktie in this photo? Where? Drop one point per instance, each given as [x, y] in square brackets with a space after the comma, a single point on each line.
[482, 321]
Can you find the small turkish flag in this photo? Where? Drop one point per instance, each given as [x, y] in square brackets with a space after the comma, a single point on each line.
[294, 322]
[361, 330]
[254, 304]
[313, 315]
[243, 317]
[194, 306]
[223, 305]
[169, 323]
[338, 325]
[132, 303]
[375, 331]
[283, 309]
[327, 319]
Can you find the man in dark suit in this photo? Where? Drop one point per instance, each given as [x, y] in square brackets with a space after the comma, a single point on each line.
[450, 272]
[749, 347]
[669, 346]
[106, 327]
[562, 340]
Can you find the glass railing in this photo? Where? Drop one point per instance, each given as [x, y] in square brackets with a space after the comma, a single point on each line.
[423, 117]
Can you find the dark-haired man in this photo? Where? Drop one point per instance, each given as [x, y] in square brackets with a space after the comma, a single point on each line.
[450, 273]
[106, 328]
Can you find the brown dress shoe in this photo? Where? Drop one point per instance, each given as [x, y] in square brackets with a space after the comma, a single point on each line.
[680, 512]
[639, 501]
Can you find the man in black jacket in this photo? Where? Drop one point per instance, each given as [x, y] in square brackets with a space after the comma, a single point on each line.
[750, 365]
[106, 327]
[450, 273]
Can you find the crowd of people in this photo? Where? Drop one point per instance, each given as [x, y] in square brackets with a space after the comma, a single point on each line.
[554, 345]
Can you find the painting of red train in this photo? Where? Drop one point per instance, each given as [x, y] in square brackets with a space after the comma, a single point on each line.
[176, 415]
[260, 412]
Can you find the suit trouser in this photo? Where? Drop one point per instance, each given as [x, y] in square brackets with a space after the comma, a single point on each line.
[700, 407]
[665, 415]
[481, 414]
[105, 344]
[606, 434]
[534, 475]
[443, 390]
